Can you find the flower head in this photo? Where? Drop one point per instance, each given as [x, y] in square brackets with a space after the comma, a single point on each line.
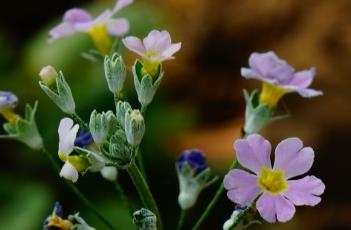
[195, 158]
[7, 100]
[154, 49]
[78, 20]
[277, 191]
[56, 221]
[278, 78]
[73, 164]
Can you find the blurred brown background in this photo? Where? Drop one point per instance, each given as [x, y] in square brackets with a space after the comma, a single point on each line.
[200, 104]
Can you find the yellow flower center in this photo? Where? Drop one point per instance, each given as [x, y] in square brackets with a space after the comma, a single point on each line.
[150, 67]
[271, 94]
[272, 181]
[56, 221]
[78, 162]
[100, 38]
[9, 115]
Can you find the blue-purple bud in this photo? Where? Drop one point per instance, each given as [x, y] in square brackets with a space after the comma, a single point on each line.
[83, 139]
[7, 100]
[195, 158]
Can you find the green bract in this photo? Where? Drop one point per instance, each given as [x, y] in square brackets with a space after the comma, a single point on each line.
[25, 129]
[145, 219]
[102, 125]
[146, 85]
[134, 127]
[61, 95]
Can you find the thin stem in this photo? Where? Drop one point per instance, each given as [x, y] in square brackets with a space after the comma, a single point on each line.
[214, 200]
[240, 217]
[140, 161]
[123, 197]
[144, 192]
[78, 193]
[182, 219]
[80, 121]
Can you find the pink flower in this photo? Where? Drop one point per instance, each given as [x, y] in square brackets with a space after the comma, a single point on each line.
[78, 20]
[156, 47]
[277, 191]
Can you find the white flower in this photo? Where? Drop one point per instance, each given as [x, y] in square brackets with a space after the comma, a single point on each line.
[67, 134]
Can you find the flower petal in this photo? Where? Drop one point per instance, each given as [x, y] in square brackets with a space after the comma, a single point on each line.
[291, 157]
[69, 172]
[167, 54]
[305, 191]
[77, 15]
[309, 92]
[302, 79]
[242, 186]
[121, 4]
[152, 39]
[272, 208]
[102, 19]
[250, 74]
[134, 44]
[67, 135]
[253, 152]
[117, 27]
[64, 29]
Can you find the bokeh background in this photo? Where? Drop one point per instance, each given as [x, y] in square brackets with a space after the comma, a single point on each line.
[199, 105]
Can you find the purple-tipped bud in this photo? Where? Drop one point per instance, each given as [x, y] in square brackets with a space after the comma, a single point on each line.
[83, 139]
[7, 100]
[195, 158]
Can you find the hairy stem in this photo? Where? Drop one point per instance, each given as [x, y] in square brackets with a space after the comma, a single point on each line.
[80, 121]
[181, 219]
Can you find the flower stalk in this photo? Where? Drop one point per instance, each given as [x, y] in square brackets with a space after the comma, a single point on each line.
[144, 192]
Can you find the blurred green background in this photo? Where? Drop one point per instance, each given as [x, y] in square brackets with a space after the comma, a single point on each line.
[199, 104]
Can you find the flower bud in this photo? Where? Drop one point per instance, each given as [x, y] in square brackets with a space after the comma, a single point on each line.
[134, 127]
[115, 73]
[122, 153]
[61, 95]
[146, 85]
[193, 176]
[48, 75]
[109, 173]
[145, 219]
[102, 125]
[121, 109]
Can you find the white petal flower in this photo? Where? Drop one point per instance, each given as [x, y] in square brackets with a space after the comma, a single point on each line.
[67, 134]
[69, 172]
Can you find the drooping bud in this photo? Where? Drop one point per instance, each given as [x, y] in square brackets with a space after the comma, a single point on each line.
[134, 127]
[48, 75]
[109, 173]
[193, 175]
[144, 219]
[115, 73]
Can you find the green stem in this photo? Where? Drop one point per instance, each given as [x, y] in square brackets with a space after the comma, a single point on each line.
[240, 217]
[78, 193]
[140, 161]
[80, 121]
[181, 219]
[123, 197]
[144, 192]
[214, 200]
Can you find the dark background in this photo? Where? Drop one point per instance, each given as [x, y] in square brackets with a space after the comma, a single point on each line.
[199, 104]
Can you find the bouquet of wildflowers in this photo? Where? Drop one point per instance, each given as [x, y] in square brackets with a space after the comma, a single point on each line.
[110, 140]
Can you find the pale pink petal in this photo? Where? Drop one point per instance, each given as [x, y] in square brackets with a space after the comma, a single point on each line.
[250, 74]
[102, 19]
[134, 44]
[276, 207]
[167, 54]
[121, 4]
[253, 152]
[309, 92]
[151, 40]
[292, 158]
[77, 15]
[62, 30]
[69, 172]
[164, 41]
[305, 191]
[302, 79]
[117, 27]
[242, 186]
